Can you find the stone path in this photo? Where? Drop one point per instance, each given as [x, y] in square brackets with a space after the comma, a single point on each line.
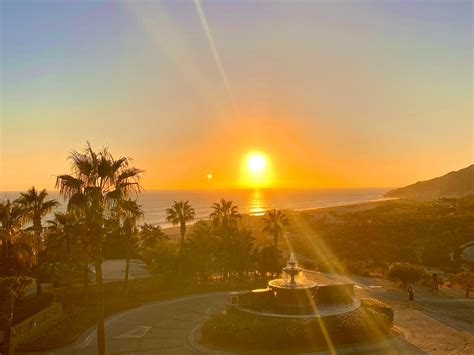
[433, 325]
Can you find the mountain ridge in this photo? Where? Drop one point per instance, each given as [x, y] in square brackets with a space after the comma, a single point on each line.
[453, 184]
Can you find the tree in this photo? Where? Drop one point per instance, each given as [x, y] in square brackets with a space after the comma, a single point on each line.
[466, 280]
[36, 206]
[10, 290]
[180, 213]
[12, 217]
[268, 261]
[241, 251]
[275, 223]
[150, 235]
[63, 228]
[224, 218]
[225, 215]
[128, 212]
[405, 272]
[97, 183]
[201, 248]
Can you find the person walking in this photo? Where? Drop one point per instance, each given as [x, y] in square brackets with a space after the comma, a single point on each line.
[411, 294]
[434, 288]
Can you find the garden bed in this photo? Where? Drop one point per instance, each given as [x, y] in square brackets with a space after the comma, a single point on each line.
[371, 322]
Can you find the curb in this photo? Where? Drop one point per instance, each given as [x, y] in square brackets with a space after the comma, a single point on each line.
[201, 349]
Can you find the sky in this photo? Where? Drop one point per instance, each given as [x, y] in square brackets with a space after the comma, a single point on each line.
[352, 93]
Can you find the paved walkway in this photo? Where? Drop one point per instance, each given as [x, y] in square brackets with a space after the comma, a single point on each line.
[113, 270]
[434, 325]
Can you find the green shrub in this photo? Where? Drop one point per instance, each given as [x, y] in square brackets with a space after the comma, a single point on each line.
[406, 273]
[369, 322]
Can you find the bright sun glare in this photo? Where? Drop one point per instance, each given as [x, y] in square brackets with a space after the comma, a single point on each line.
[256, 169]
[256, 162]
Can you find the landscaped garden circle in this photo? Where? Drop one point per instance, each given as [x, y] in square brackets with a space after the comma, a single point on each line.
[371, 322]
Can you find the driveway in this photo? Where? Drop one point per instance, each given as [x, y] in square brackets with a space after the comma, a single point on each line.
[433, 325]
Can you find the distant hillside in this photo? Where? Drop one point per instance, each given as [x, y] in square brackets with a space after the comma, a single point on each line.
[455, 184]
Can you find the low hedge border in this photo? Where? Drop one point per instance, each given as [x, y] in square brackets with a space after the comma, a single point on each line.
[369, 323]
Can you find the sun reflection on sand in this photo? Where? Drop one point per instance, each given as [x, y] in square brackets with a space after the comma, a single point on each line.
[257, 203]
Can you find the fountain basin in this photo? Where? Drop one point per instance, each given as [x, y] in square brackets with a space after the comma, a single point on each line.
[292, 295]
[302, 301]
[293, 299]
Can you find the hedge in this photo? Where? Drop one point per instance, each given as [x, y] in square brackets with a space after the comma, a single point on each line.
[370, 322]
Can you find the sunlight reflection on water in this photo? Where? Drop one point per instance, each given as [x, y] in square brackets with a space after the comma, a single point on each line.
[256, 203]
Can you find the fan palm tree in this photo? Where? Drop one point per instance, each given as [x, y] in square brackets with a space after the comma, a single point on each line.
[36, 206]
[12, 218]
[202, 245]
[275, 223]
[128, 212]
[97, 183]
[224, 218]
[180, 213]
[225, 214]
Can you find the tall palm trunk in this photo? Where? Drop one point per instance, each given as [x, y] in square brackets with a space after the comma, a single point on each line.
[7, 347]
[127, 265]
[6, 262]
[100, 307]
[37, 230]
[86, 276]
[181, 247]
[38, 273]
[69, 262]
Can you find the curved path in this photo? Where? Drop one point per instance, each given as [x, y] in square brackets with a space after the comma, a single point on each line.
[154, 328]
[438, 325]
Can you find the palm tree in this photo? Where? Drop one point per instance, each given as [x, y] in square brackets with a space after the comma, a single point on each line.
[224, 218]
[128, 212]
[36, 206]
[11, 288]
[225, 214]
[97, 183]
[202, 245]
[12, 218]
[275, 223]
[64, 227]
[180, 213]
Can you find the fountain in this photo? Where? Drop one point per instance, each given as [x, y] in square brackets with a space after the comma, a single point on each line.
[294, 295]
[294, 313]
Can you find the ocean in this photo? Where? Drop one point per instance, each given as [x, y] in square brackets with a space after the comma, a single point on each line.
[249, 201]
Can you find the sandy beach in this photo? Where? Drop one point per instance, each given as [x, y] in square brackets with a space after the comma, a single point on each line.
[252, 221]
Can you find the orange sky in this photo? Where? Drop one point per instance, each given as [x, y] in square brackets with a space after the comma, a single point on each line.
[336, 94]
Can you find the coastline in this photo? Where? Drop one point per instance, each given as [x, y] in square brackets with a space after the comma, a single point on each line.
[173, 231]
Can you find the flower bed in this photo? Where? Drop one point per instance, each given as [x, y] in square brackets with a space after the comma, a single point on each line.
[371, 322]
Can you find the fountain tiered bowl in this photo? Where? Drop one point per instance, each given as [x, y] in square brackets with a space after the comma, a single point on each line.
[294, 295]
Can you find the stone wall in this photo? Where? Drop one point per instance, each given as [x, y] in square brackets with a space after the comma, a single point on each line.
[36, 325]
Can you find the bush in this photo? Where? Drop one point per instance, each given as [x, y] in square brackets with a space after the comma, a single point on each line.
[371, 322]
[466, 280]
[406, 273]
[381, 310]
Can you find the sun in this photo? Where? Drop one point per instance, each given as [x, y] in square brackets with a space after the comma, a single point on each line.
[256, 170]
[256, 162]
